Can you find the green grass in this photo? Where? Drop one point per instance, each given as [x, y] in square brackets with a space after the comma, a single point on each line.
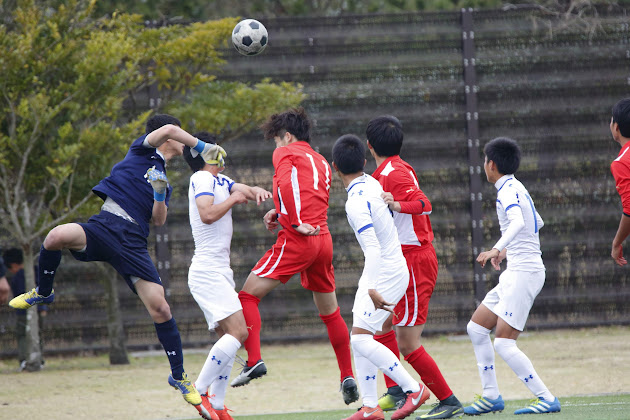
[604, 407]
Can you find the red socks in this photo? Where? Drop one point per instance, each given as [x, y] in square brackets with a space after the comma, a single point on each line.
[340, 340]
[389, 341]
[429, 372]
[252, 321]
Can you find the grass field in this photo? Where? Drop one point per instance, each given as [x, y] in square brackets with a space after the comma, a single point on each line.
[604, 407]
[303, 381]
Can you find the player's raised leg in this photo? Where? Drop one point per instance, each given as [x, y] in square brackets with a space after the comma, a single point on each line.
[70, 235]
[152, 295]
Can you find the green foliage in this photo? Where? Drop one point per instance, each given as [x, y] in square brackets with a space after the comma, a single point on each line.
[68, 99]
[230, 109]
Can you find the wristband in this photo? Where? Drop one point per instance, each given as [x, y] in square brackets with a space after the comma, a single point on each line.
[159, 196]
[199, 146]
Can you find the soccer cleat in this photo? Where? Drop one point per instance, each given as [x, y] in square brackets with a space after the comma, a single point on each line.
[250, 372]
[540, 406]
[441, 410]
[483, 405]
[413, 400]
[393, 399]
[223, 414]
[188, 390]
[205, 409]
[28, 299]
[367, 413]
[349, 390]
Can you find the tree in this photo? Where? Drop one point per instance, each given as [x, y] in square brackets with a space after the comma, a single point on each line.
[69, 106]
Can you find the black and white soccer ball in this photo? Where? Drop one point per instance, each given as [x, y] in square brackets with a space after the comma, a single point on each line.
[249, 37]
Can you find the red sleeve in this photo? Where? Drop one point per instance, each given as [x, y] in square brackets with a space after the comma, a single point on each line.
[404, 188]
[283, 164]
[621, 173]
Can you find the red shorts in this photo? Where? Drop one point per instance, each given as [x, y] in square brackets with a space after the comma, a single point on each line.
[413, 307]
[311, 256]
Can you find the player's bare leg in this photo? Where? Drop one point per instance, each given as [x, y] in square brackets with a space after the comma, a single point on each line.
[254, 289]
[339, 337]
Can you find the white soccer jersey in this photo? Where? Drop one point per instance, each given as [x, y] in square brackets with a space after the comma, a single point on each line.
[212, 241]
[520, 224]
[373, 225]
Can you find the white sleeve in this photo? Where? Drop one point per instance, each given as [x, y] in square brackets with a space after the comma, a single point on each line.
[203, 183]
[515, 216]
[540, 221]
[361, 220]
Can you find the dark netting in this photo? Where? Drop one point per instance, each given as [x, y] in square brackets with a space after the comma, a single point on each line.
[548, 84]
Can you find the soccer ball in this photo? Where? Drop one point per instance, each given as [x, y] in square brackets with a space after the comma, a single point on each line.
[249, 37]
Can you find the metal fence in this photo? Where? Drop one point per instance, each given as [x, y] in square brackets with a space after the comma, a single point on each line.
[455, 80]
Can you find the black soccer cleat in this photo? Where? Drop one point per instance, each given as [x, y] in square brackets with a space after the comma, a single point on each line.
[349, 390]
[250, 372]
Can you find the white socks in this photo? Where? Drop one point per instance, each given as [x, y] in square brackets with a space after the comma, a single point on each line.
[522, 366]
[370, 355]
[484, 352]
[216, 369]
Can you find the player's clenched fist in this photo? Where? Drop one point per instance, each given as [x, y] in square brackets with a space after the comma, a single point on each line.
[158, 181]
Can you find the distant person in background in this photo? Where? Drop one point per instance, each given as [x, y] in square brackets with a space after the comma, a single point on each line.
[507, 305]
[5, 289]
[620, 168]
[14, 261]
[211, 196]
[135, 194]
[411, 209]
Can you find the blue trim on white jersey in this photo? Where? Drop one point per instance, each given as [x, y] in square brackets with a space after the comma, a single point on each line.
[365, 227]
[352, 186]
[204, 193]
[531, 203]
[510, 206]
[369, 207]
[509, 179]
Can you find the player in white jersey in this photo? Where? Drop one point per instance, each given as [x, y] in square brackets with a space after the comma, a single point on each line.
[211, 196]
[507, 306]
[383, 282]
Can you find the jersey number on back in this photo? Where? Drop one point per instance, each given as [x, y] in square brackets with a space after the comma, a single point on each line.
[316, 174]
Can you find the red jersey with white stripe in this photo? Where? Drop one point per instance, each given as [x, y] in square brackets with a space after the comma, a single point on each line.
[301, 186]
[413, 224]
[620, 169]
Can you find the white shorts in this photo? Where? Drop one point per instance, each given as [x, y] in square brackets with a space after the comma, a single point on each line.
[512, 299]
[365, 315]
[213, 289]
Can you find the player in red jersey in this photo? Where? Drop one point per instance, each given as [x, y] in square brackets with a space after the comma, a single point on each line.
[411, 209]
[301, 185]
[620, 168]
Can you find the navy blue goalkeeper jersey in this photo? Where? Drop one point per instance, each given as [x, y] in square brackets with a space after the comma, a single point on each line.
[128, 187]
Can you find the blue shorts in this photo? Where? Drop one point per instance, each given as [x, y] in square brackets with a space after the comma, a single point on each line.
[112, 239]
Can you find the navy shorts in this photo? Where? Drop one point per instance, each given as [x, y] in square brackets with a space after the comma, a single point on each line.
[112, 239]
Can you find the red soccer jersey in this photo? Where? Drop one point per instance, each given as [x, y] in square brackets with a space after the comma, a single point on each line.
[301, 186]
[413, 224]
[620, 169]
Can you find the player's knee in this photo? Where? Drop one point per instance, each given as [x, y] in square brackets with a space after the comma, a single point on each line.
[241, 334]
[160, 311]
[55, 240]
[407, 347]
[505, 347]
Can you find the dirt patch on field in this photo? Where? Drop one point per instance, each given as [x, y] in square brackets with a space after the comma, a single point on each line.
[301, 378]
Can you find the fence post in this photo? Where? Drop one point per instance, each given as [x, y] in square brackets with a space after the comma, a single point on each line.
[474, 159]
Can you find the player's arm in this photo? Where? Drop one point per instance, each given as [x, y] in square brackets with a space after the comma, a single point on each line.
[4, 290]
[517, 222]
[404, 196]
[252, 193]
[211, 153]
[159, 183]
[621, 173]
[289, 190]
[210, 212]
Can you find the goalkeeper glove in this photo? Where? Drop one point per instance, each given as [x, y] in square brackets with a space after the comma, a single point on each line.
[212, 154]
[158, 181]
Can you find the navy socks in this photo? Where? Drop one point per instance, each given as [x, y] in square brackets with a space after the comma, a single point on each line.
[48, 263]
[168, 334]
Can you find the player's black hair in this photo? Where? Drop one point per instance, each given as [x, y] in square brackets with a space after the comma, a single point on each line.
[197, 163]
[13, 256]
[621, 115]
[160, 120]
[349, 154]
[385, 135]
[294, 121]
[505, 153]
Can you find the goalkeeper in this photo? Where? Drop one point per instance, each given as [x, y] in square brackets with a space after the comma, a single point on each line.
[135, 194]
